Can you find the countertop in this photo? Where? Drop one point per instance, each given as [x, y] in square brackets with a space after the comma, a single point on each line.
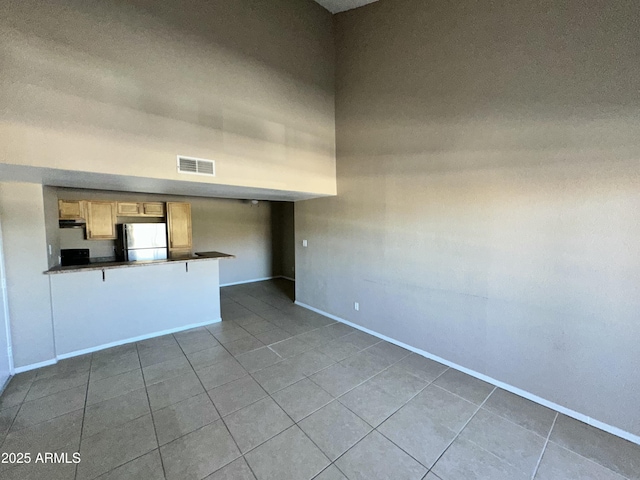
[198, 256]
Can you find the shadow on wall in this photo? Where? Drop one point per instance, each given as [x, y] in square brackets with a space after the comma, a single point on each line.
[488, 192]
[282, 234]
[252, 82]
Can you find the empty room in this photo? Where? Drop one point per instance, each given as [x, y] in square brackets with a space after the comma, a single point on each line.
[319, 239]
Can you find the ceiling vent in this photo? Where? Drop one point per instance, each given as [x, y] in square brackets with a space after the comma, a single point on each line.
[196, 166]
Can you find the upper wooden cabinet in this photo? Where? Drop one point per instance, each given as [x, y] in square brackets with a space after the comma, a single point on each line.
[179, 228]
[71, 209]
[153, 209]
[101, 220]
[140, 209]
[127, 209]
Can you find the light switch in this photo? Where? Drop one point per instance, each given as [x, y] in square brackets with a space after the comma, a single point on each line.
[304, 243]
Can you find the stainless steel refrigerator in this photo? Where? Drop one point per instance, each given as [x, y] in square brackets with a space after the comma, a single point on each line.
[142, 241]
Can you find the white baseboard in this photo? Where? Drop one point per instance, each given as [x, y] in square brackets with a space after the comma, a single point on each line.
[247, 281]
[256, 280]
[113, 344]
[523, 393]
[135, 339]
[33, 366]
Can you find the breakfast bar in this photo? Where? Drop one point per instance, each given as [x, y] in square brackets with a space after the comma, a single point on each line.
[100, 305]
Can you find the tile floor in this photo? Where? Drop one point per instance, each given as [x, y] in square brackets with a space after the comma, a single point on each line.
[278, 392]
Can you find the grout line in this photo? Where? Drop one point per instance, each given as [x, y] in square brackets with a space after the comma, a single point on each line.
[153, 421]
[312, 347]
[403, 405]
[24, 401]
[546, 442]
[270, 396]
[216, 409]
[462, 429]
[84, 412]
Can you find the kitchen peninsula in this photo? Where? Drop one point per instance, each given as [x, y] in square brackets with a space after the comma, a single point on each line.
[101, 305]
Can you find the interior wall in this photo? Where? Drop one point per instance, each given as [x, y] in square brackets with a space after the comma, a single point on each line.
[121, 88]
[231, 226]
[488, 207]
[282, 234]
[50, 203]
[288, 240]
[25, 256]
[6, 355]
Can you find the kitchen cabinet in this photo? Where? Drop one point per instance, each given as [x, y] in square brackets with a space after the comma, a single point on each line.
[140, 209]
[128, 209]
[101, 220]
[153, 209]
[71, 209]
[179, 229]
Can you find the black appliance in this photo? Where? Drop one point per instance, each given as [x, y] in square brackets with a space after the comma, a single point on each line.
[74, 256]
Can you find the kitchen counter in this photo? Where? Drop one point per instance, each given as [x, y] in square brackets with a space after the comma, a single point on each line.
[107, 304]
[198, 256]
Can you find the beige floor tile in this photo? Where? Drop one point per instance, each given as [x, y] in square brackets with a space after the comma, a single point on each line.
[235, 395]
[184, 417]
[288, 456]
[375, 457]
[334, 429]
[114, 447]
[257, 423]
[199, 453]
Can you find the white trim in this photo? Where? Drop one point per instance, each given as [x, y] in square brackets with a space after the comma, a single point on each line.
[523, 393]
[256, 280]
[113, 344]
[33, 366]
[135, 339]
[248, 281]
[5, 301]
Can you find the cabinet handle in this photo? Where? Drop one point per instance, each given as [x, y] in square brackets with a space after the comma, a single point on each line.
[103, 277]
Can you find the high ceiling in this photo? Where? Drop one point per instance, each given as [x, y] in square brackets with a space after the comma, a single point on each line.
[335, 6]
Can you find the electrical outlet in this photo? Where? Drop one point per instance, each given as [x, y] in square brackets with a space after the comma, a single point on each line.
[356, 306]
[304, 243]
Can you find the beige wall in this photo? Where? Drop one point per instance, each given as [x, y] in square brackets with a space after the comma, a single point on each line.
[121, 88]
[53, 233]
[25, 258]
[488, 206]
[229, 226]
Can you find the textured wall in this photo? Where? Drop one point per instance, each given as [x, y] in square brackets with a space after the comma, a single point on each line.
[122, 87]
[25, 258]
[488, 205]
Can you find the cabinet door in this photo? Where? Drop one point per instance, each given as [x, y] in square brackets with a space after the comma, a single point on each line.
[179, 226]
[128, 208]
[70, 209]
[101, 220]
[153, 209]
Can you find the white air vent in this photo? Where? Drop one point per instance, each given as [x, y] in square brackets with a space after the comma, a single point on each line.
[196, 166]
